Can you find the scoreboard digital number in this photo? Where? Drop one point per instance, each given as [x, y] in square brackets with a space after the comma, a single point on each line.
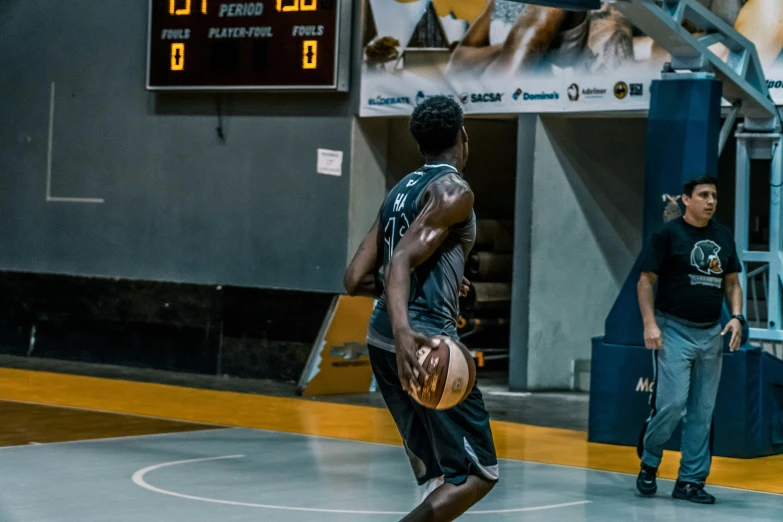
[219, 45]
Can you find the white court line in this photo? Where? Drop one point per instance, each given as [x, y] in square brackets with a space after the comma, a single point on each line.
[536, 462]
[138, 479]
[49, 196]
[508, 393]
[110, 439]
[221, 428]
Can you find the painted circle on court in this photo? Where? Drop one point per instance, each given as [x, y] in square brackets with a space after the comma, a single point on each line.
[139, 479]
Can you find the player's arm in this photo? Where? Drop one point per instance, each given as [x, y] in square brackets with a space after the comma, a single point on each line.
[733, 291]
[646, 292]
[761, 21]
[361, 276]
[447, 202]
[652, 259]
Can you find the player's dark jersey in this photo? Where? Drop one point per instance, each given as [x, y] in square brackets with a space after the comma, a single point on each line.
[691, 264]
[433, 305]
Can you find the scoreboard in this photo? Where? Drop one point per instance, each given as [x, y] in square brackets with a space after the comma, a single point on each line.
[275, 45]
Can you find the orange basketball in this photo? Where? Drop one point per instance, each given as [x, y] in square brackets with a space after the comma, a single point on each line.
[451, 371]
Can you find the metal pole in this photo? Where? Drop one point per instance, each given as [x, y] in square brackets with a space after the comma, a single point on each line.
[742, 207]
[775, 217]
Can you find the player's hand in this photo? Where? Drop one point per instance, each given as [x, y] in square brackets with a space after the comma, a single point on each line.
[735, 328]
[409, 370]
[465, 287]
[653, 339]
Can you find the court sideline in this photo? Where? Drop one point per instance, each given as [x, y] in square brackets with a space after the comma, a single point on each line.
[188, 454]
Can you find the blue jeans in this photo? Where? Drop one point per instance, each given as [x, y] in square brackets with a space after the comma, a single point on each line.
[687, 375]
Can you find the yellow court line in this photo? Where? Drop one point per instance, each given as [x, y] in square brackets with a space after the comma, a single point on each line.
[362, 423]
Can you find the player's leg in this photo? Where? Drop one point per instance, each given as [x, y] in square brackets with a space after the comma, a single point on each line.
[408, 420]
[449, 501]
[462, 440]
[697, 425]
[672, 383]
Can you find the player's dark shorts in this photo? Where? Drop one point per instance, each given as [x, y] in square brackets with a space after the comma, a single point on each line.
[454, 443]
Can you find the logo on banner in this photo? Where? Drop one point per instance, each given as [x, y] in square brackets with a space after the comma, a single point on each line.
[380, 100]
[587, 92]
[594, 92]
[486, 97]
[420, 96]
[535, 96]
[620, 90]
[637, 89]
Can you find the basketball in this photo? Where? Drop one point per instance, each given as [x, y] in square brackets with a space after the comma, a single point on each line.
[451, 371]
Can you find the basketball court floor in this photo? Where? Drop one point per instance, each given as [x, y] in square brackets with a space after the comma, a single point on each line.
[90, 449]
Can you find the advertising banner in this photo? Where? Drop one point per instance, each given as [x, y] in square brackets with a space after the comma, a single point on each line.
[504, 56]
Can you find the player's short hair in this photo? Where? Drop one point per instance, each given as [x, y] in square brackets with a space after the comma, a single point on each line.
[436, 123]
[698, 180]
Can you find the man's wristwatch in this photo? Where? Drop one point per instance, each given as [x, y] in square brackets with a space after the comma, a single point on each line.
[740, 318]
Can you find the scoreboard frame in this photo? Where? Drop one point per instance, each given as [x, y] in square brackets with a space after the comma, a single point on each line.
[340, 72]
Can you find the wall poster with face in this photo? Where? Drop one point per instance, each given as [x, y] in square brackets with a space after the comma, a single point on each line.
[506, 56]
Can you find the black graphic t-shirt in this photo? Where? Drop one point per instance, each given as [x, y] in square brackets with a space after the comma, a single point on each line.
[691, 264]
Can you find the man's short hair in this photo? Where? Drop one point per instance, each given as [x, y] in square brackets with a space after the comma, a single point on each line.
[436, 123]
[699, 180]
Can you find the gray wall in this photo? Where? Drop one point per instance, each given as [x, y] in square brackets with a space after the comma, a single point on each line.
[179, 204]
[369, 162]
[585, 234]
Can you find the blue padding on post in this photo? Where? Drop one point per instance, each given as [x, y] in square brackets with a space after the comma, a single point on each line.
[621, 384]
[771, 405]
[683, 131]
[748, 419]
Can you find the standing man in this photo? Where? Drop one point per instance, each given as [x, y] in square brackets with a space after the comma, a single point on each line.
[421, 238]
[695, 263]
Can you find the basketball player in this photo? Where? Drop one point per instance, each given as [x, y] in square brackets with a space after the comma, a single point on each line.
[510, 37]
[421, 238]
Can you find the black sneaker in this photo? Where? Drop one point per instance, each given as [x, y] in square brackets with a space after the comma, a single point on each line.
[692, 492]
[645, 482]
